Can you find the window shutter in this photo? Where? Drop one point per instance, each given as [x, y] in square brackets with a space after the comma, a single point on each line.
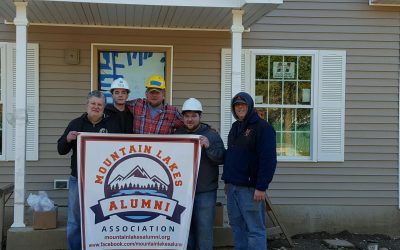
[226, 88]
[10, 104]
[32, 102]
[226, 94]
[331, 105]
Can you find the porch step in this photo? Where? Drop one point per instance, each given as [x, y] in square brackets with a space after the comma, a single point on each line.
[27, 238]
[56, 239]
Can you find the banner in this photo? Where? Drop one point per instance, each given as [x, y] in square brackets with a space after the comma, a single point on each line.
[136, 191]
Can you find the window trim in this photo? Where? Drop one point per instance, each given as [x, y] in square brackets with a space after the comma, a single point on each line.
[3, 85]
[314, 90]
[330, 95]
[167, 49]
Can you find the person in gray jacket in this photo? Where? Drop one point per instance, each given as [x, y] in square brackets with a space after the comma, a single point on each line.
[212, 155]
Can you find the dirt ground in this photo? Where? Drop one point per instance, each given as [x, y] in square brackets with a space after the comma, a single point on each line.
[360, 241]
[313, 241]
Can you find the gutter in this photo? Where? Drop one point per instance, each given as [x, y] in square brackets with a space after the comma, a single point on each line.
[124, 27]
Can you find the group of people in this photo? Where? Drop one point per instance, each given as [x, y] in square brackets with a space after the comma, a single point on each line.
[249, 161]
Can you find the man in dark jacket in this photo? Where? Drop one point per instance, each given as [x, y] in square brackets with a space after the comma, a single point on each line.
[93, 120]
[118, 109]
[212, 154]
[249, 166]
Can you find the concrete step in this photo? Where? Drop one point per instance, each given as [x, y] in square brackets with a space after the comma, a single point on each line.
[27, 238]
[56, 239]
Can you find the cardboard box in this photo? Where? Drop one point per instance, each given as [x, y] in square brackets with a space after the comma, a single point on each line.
[45, 220]
[219, 215]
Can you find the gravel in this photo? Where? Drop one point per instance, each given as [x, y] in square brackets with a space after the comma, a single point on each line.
[313, 241]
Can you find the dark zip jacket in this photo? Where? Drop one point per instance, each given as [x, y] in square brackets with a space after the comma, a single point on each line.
[125, 118]
[82, 124]
[211, 157]
[251, 155]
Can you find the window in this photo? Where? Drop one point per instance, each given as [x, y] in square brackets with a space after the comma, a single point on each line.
[300, 93]
[133, 63]
[282, 93]
[7, 101]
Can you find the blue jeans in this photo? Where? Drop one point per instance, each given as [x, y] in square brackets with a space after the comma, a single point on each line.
[74, 216]
[247, 218]
[201, 234]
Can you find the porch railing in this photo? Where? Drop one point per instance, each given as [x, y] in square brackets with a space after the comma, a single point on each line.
[5, 193]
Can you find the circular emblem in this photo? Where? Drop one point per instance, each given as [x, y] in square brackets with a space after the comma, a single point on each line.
[138, 175]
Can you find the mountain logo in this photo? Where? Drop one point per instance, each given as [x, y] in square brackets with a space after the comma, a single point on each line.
[138, 188]
[138, 179]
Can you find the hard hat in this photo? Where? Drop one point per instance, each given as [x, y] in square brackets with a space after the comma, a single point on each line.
[156, 82]
[192, 104]
[119, 84]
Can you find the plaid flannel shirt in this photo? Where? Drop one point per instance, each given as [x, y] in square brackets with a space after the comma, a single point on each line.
[164, 122]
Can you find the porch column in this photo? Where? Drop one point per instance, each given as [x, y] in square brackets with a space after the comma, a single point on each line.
[21, 23]
[236, 30]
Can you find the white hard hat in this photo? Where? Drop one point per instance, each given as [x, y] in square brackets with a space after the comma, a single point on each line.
[192, 104]
[119, 84]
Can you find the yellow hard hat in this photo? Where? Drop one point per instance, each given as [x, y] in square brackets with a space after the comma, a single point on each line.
[156, 82]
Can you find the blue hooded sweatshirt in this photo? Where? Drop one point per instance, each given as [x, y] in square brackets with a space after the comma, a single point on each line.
[251, 155]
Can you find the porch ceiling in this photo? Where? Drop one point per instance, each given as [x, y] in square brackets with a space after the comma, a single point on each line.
[189, 14]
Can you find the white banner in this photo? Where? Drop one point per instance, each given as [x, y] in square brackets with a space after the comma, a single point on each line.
[136, 191]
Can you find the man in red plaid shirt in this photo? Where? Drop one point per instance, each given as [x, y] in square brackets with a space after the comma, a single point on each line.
[151, 115]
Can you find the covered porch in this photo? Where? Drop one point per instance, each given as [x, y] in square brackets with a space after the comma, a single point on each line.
[223, 18]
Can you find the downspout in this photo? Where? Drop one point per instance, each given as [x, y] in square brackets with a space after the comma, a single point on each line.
[398, 124]
[236, 44]
[21, 23]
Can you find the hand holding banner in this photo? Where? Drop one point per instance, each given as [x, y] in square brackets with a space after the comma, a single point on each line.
[137, 191]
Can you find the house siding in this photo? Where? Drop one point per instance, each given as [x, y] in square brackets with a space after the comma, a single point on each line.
[361, 193]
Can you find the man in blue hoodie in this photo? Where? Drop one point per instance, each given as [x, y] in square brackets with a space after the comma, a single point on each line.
[249, 166]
